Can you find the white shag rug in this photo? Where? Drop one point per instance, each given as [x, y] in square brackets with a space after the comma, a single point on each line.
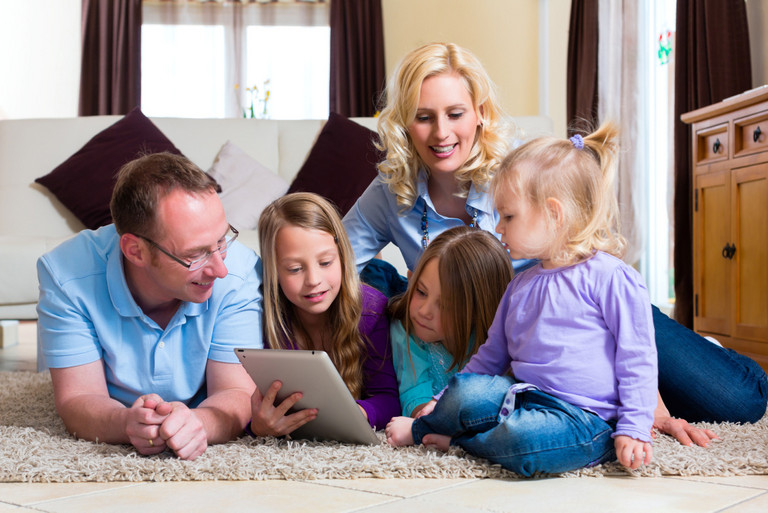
[35, 447]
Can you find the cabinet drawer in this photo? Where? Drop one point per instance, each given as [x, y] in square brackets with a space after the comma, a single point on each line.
[751, 134]
[712, 144]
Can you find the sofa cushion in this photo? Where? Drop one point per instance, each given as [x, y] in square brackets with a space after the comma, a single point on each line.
[341, 164]
[247, 186]
[84, 182]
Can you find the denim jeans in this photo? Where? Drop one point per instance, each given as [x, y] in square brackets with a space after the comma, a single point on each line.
[701, 381]
[542, 434]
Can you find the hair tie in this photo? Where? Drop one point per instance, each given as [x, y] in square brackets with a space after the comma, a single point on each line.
[577, 141]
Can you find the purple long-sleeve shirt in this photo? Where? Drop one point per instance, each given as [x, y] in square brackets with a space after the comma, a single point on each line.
[381, 399]
[582, 333]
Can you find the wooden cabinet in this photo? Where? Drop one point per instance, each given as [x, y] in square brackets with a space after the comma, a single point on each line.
[730, 222]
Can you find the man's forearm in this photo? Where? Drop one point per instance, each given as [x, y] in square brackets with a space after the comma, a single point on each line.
[95, 418]
[225, 414]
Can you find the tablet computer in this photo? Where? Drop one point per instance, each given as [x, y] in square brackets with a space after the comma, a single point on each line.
[313, 374]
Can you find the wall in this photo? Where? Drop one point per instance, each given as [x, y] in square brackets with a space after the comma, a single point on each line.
[757, 17]
[40, 56]
[503, 34]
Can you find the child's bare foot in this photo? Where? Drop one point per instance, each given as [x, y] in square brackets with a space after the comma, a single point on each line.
[398, 431]
[441, 442]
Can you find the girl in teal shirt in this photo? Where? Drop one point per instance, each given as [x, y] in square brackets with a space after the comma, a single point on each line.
[449, 304]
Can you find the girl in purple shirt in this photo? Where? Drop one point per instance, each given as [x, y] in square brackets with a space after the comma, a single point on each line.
[568, 375]
[313, 299]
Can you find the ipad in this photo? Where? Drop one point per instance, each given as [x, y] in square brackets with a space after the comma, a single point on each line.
[313, 374]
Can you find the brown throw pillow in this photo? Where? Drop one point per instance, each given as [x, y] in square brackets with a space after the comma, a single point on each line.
[341, 164]
[84, 182]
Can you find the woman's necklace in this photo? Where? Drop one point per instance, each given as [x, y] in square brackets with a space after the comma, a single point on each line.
[425, 225]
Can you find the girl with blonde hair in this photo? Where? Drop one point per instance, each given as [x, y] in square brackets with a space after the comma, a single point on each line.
[567, 377]
[313, 299]
[449, 305]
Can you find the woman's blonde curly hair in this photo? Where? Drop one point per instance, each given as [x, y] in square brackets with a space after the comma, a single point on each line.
[401, 166]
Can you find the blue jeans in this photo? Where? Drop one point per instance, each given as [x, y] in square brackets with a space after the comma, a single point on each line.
[542, 434]
[700, 381]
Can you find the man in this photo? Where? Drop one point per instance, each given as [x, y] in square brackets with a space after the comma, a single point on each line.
[138, 320]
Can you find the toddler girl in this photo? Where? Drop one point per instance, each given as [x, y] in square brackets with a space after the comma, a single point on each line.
[313, 299]
[449, 304]
[567, 376]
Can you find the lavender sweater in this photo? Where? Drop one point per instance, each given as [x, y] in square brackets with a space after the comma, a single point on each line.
[582, 333]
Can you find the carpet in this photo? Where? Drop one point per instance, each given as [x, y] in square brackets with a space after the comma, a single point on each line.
[35, 447]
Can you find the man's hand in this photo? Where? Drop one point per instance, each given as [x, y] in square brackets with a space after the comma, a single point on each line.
[142, 425]
[182, 430]
[270, 420]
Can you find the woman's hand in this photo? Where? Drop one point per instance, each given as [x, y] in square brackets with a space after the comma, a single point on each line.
[680, 429]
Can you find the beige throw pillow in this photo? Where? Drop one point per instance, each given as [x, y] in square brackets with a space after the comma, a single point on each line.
[247, 187]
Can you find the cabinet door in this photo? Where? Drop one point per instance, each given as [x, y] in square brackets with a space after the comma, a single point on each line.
[749, 200]
[712, 270]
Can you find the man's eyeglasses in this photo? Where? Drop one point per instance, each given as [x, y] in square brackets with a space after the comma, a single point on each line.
[199, 263]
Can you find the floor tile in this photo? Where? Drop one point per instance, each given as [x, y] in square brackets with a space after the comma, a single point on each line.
[760, 482]
[30, 493]
[10, 508]
[756, 505]
[415, 505]
[592, 494]
[190, 497]
[395, 487]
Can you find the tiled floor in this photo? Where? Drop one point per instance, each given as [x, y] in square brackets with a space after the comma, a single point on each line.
[626, 494]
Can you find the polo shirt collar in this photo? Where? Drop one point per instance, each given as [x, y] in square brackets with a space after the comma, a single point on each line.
[123, 300]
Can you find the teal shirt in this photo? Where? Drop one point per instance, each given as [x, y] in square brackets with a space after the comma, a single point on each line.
[425, 372]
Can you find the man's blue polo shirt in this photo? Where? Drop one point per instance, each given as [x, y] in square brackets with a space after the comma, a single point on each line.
[86, 313]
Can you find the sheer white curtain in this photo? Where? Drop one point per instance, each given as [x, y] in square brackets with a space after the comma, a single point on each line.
[204, 59]
[622, 66]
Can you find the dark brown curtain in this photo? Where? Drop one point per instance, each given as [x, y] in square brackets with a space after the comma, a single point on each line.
[357, 56]
[110, 74]
[711, 64]
[582, 66]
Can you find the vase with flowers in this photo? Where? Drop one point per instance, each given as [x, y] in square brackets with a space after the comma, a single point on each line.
[256, 100]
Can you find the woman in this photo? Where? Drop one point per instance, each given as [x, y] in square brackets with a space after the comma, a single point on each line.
[444, 137]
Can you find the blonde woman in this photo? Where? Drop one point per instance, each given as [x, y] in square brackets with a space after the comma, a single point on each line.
[444, 137]
[313, 299]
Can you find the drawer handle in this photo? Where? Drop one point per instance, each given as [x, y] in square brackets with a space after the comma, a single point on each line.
[716, 147]
[729, 250]
[756, 134]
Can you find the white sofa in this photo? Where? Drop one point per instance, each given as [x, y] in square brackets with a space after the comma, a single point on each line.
[33, 221]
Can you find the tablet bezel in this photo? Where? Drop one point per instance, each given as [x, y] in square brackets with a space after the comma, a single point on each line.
[339, 417]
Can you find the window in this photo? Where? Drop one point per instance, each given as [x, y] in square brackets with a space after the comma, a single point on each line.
[659, 83]
[230, 60]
